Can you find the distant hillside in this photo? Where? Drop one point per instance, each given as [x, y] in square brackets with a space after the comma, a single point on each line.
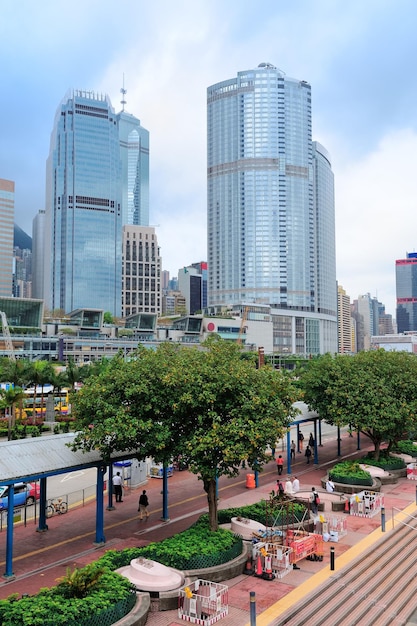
[21, 239]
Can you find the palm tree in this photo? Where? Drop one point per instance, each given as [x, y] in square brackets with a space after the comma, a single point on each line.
[41, 374]
[59, 380]
[9, 397]
[17, 373]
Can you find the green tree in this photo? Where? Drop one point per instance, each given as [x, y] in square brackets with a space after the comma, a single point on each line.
[108, 318]
[16, 372]
[231, 411]
[8, 400]
[40, 374]
[211, 406]
[59, 381]
[373, 391]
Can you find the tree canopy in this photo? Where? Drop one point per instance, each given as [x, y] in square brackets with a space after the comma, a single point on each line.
[210, 406]
[374, 391]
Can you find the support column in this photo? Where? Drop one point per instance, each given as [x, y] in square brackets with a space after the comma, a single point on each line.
[316, 452]
[288, 452]
[110, 506]
[9, 535]
[100, 539]
[165, 515]
[43, 526]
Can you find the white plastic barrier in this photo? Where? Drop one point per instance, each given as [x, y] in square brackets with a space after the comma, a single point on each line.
[203, 602]
[332, 527]
[412, 471]
[366, 503]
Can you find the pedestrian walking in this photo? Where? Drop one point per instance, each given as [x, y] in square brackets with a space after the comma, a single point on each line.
[311, 441]
[117, 484]
[280, 488]
[280, 465]
[300, 441]
[292, 452]
[314, 500]
[288, 487]
[295, 485]
[143, 505]
[308, 454]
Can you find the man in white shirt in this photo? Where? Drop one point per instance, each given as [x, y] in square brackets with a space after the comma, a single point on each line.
[329, 485]
[117, 484]
[295, 485]
[288, 487]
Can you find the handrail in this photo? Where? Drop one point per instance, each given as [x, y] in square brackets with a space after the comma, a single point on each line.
[413, 517]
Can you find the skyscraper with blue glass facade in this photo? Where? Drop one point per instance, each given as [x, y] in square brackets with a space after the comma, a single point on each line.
[134, 153]
[97, 180]
[406, 288]
[271, 237]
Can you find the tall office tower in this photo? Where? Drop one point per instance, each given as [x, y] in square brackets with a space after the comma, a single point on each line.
[83, 250]
[192, 283]
[134, 152]
[6, 236]
[362, 312]
[271, 233]
[344, 322]
[141, 271]
[385, 322]
[164, 279]
[406, 287]
[38, 246]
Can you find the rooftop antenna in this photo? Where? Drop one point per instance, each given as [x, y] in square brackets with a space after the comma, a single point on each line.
[123, 91]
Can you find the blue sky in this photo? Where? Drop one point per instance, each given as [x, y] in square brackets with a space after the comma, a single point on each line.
[358, 56]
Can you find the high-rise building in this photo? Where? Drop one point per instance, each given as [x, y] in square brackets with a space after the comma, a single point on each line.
[344, 322]
[38, 246]
[271, 236]
[134, 152]
[192, 282]
[406, 288]
[363, 313]
[83, 251]
[141, 271]
[6, 236]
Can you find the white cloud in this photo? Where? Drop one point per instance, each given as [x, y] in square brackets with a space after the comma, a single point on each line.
[376, 201]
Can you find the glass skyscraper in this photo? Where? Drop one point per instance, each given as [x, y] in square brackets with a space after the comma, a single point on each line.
[97, 180]
[6, 236]
[406, 287]
[134, 152]
[270, 215]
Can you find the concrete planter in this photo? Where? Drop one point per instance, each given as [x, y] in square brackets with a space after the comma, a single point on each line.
[168, 600]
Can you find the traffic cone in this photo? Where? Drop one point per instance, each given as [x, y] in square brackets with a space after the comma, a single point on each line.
[249, 566]
[268, 575]
[259, 567]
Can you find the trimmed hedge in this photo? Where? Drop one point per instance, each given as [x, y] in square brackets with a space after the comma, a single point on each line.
[349, 473]
[186, 550]
[50, 607]
[260, 512]
[406, 447]
[385, 462]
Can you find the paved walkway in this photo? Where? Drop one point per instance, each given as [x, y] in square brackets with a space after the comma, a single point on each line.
[40, 558]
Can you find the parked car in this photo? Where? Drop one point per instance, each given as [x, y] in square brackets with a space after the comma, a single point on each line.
[24, 494]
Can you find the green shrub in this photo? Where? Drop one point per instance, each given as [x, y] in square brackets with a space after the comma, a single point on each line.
[406, 447]
[52, 607]
[266, 514]
[181, 550]
[385, 462]
[349, 473]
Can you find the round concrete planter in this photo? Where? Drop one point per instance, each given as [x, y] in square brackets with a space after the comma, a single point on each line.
[168, 600]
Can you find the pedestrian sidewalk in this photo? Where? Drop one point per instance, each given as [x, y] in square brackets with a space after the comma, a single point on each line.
[41, 558]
